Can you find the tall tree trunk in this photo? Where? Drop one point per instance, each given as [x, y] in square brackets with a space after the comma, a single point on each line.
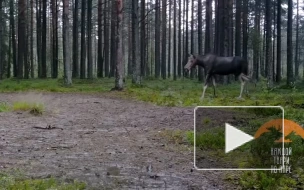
[256, 41]
[268, 45]
[66, 44]
[55, 39]
[25, 57]
[174, 42]
[200, 36]
[136, 79]
[99, 51]
[12, 24]
[113, 40]
[39, 33]
[192, 72]
[143, 38]
[119, 78]
[290, 78]
[297, 44]
[1, 41]
[89, 34]
[21, 36]
[245, 28]
[279, 65]
[179, 39]
[187, 34]
[169, 43]
[32, 40]
[157, 38]
[164, 38]
[75, 72]
[43, 46]
[208, 20]
[83, 42]
[106, 38]
[238, 27]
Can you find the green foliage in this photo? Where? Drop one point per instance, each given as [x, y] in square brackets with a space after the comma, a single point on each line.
[211, 139]
[33, 108]
[4, 107]
[10, 182]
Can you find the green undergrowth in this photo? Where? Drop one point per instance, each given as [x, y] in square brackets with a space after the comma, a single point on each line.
[34, 108]
[15, 182]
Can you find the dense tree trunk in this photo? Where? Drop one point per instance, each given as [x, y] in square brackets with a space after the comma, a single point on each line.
[245, 28]
[83, 42]
[238, 28]
[143, 38]
[113, 39]
[43, 44]
[169, 43]
[106, 38]
[256, 40]
[192, 72]
[13, 37]
[32, 40]
[208, 20]
[89, 34]
[290, 79]
[164, 38]
[174, 41]
[66, 44]
[21, 36]
[157, 38]
[179, 39]
[268, 45]
[279, 64]
[75, 72]
[297, 44]
[99, 51]
[200, 36]
[1, 41]
[119, 78]
[55, 39]
[186, 44]
[136, 79]
[39, 34]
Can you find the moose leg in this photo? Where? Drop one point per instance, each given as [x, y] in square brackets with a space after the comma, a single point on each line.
[242, 86]
[214, 85]
[205, 87]
[245, 79]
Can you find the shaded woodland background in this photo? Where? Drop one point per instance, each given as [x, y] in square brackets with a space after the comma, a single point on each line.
[148, 38]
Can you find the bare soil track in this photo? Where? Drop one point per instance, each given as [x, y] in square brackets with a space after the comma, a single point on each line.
[109, 143]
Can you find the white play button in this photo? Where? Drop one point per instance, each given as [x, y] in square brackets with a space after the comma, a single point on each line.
[235, 138]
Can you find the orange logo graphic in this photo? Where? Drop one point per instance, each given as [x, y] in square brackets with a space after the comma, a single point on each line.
[289, 127]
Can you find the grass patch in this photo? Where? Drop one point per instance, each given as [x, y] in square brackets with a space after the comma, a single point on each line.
[33, 108]
[16, 183]
[4, 107]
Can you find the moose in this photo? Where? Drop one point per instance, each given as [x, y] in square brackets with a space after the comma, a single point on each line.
[217, 65]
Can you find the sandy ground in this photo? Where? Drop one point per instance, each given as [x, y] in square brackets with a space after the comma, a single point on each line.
[109, 143]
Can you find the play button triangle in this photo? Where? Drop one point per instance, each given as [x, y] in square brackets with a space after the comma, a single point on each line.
[235, 138]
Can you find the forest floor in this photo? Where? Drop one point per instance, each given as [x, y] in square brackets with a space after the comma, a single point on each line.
[134, 139]
[107, 142]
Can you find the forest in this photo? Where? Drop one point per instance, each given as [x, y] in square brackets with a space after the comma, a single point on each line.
[94, 94]
[151, 38]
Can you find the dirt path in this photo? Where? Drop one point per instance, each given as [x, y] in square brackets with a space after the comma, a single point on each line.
[108, 143]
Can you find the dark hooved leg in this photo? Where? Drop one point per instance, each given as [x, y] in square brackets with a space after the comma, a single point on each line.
[214, 85]
[205, 87]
